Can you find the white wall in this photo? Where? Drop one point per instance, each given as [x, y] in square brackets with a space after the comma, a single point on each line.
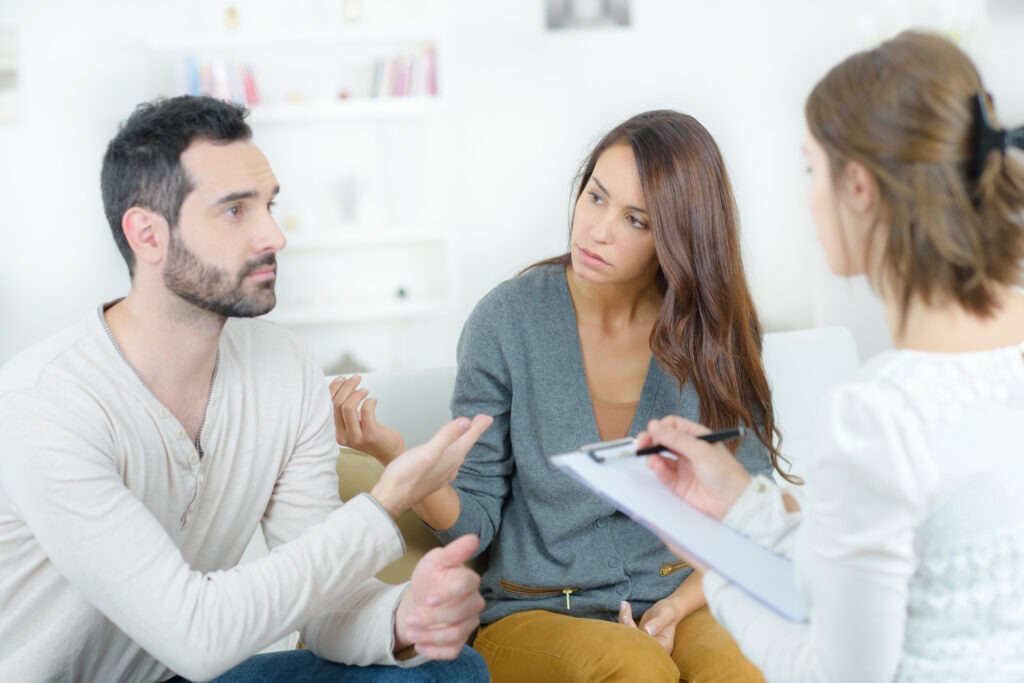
[81, 71]
[523, 106]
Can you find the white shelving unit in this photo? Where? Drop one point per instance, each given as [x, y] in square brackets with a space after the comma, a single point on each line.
[349, 121]
[344, 110]
[389, 275]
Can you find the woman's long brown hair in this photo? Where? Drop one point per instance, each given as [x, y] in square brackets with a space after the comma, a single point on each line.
[707, 331]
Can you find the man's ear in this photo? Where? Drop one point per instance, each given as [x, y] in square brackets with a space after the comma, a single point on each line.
[859, 190]
[147, 234]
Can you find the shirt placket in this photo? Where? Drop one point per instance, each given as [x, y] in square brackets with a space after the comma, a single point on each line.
[188, 451]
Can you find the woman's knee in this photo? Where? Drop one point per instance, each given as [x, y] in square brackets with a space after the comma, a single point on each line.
[541, 647]
[633, 656]
[704, 652]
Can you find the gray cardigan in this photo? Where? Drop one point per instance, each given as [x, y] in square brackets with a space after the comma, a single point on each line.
[553, 544]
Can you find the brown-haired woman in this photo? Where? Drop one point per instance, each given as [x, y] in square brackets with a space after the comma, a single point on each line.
[910, 545]
[647, 314]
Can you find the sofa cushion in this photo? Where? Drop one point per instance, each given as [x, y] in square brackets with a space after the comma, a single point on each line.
[357, 473]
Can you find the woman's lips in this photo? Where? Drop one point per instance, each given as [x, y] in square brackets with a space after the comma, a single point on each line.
[591, 259]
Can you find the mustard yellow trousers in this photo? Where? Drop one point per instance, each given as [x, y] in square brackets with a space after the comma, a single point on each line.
[540, 646]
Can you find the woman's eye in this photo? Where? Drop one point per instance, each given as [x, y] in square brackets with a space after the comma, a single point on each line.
[636, 222]
[595, 197]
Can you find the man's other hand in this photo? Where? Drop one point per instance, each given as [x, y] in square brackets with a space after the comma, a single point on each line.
[442, 605]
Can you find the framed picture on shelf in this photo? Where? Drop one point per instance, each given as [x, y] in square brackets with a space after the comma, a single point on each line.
[562, 14]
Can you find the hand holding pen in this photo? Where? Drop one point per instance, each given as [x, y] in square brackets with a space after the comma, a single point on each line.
[710, 437]
[629, 447]
[705, 475]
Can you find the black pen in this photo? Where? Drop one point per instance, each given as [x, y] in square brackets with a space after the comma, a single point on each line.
[713, 437]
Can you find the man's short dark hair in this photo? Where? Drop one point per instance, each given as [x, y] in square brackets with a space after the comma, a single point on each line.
[142, 165]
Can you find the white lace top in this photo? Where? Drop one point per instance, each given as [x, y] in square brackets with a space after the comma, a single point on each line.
[910, 546]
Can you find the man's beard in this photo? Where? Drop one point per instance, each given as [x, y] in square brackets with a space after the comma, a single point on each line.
[214, 289]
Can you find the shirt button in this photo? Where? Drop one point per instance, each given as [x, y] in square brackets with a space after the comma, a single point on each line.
[180, 433]
[165, 413]
[193, 459]
[202, 478]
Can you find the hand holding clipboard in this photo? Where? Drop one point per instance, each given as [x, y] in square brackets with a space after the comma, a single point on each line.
[709, 479]
[663, 508]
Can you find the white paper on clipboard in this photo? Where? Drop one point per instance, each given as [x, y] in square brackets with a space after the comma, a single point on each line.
[631, 487]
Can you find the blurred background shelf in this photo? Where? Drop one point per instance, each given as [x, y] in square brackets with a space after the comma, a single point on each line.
[359, 313]
[348, 119]
[362, 236]
[341, 110]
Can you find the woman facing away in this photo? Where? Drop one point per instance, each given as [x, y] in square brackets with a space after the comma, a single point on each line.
[910, 543]
[648, 314]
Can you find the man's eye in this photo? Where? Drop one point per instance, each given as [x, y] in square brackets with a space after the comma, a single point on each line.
[234, 211]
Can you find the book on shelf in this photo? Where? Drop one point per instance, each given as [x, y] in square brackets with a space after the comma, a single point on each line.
[222, 78]
[408, 74]
[411, 73]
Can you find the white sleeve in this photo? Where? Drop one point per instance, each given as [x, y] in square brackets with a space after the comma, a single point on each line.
[760, 513]
[867, 492]
[60, 477]
[357, 626]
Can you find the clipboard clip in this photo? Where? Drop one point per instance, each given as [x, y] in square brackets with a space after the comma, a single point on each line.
[616, 449]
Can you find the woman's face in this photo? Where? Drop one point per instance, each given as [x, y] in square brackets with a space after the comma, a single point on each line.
[833, 219]
[611, 231]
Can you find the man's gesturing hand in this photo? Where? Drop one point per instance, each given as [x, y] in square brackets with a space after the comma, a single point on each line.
[424, 469]
[442, 605]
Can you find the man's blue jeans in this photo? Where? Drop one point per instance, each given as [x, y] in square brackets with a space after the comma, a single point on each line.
[302, 666]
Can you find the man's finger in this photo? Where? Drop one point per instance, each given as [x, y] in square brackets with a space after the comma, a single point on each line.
[465, 608]
[444, 635]
[477, 426]
[449, 433]
[447, 562]
[460, 584]
[458, 551]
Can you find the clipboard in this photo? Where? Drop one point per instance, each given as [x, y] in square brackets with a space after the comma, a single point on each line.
[614, 473]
